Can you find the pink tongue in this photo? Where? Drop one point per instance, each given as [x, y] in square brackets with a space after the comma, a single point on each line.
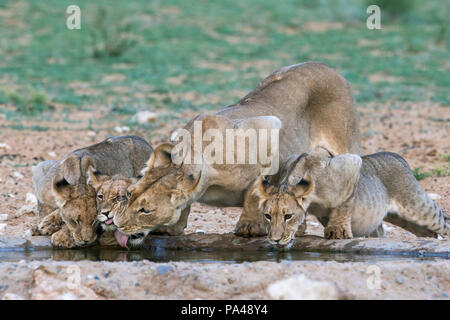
[109, 221]
[121, 238]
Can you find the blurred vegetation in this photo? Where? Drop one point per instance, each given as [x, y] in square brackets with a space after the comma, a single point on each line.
[161, 51]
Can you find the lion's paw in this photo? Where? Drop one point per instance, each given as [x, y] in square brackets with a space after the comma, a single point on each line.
[247, 228]
[338, 232]
[63, 239]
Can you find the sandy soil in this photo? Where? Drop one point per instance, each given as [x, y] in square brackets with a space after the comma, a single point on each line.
[418, 131]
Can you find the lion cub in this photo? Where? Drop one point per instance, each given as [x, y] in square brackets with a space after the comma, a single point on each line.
[356, 193]
[112, 198]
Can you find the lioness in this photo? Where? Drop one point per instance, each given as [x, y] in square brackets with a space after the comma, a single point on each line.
[67, 202]
[360, 191]
[310, 103]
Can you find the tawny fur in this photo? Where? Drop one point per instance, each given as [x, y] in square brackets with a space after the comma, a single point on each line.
[359, 192]
[62, 190]
[310, 101]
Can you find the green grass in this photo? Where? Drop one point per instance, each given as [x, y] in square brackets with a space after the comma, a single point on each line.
[442, 171]
[156, 40]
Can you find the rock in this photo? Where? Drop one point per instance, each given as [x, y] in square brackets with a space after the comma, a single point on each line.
[52, 154]
[122, 129]
[4, 146]
[26, 209]
[399, 280]
[163, 269]
[18, 175]
[143, 117]
[301, 288]
[199, 231]
[91, 133]
[3, 217]
[31, 199]
[12, 296]
[48, 285]
[40, 242]
[434, 196]
[2, 227]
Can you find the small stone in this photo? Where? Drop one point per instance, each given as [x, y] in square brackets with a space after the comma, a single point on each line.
[434, 196]
[3, 217]
[143, 117]
[12, 296]
[91, 133]
[18, 175]
[4, 146]
[52, 154]
[302, 288]
[122, 129]
[2, 227]
[31, 199]
[199, 231]
[399, 280]
[163, 269]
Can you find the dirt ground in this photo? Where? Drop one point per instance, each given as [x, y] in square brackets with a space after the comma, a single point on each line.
[410, 129]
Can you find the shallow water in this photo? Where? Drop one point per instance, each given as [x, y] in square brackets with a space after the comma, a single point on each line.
[216, 256]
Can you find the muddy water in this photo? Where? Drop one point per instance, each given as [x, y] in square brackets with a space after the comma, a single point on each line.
[216, 256]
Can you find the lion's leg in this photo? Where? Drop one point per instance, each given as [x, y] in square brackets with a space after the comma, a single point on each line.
[178, 228]
[339, 225]
[44, 209]
[251, 222]
[49, 225]
[301, 229]
[378, 232]
[63, 238]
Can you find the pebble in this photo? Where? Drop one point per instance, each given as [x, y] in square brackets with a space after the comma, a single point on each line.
[12, 296]
[122, 129]
[27, 234]
[163, 269]
[3, 217]
[18, 175]
[31, 198]
[143, 117]
[91, 134]
[434, 196]
[199, 231]
[2, 227]
[399, 280]
[52, 154]
[4, 146]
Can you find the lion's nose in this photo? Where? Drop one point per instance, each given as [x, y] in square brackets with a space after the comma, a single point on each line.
[106, 213]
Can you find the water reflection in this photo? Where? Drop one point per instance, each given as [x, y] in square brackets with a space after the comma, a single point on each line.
[205, 256]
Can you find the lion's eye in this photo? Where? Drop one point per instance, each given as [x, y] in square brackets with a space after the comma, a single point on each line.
[287, 217]
[145, 212]
[100, 197]
[268, 216]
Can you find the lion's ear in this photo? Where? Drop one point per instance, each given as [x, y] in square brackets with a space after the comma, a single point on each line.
[259, 190]
[303, 189]
[161, 157]
[92, 178]
[62, 190]
[321, 150]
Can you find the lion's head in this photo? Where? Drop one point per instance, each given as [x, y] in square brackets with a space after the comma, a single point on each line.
[112, 199]
[76, 199]
[318, 177]
[158, 198]
[78, 211]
